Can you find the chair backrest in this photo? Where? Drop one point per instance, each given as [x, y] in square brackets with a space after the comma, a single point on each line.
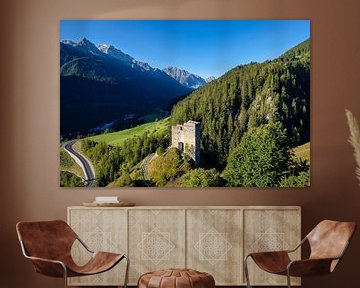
[46, 239]
[329, 239]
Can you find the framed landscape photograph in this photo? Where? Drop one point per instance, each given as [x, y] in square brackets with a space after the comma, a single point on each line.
[184, 103]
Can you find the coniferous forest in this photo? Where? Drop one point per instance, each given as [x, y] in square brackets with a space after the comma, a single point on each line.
[250, 96]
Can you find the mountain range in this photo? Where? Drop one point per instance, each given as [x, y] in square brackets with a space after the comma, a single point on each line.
[187, 78]
[99, 85]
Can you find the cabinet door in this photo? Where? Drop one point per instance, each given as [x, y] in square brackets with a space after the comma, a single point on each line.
[214, 244]
[101, 230]
[270, 230]
[156, 240]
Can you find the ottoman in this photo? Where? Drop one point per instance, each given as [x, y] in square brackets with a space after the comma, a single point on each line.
[176, 278]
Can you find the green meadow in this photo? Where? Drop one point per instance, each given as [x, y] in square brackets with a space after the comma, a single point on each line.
[117, 138]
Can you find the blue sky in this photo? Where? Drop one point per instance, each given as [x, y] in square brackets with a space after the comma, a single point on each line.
[204, 47]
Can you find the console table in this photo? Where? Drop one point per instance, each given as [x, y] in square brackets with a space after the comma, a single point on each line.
[211, 239]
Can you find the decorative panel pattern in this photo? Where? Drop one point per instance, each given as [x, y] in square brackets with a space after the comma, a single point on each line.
[270, 230]
[214, 241]
[209, 239]
[101, 230]
[156, 240]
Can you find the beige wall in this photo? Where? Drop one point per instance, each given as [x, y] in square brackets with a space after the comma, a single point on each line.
[29, 119]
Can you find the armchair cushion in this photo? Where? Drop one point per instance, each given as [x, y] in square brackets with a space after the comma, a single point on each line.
[99, 262]
[272, 262]
[310, 267]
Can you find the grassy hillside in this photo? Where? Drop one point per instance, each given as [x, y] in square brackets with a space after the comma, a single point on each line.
[303, 152]
[117, 138]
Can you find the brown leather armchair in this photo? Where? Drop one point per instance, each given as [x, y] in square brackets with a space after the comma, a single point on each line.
[48, 245]
[328, 242]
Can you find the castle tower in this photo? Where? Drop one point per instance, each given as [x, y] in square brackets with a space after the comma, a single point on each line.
[186, 138]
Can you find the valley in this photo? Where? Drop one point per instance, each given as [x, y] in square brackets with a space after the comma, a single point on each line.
[254, 121]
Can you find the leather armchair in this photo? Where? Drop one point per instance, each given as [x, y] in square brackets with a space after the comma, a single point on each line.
[48, 245]
[328, 242]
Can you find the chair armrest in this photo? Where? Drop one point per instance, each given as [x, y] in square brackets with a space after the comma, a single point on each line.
[268, 253]
[309, 267]
[46, 260]
[49, 267]
[282, 251]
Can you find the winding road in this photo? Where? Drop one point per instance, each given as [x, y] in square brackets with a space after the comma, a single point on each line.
[83, 162]
[145, 166]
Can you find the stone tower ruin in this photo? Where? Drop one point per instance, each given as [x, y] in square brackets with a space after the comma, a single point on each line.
[186, 138]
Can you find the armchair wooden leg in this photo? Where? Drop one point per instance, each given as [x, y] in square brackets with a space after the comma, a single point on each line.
[246, 270]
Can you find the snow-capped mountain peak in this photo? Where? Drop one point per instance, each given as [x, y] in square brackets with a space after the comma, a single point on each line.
[69, 42]
[209, 79]
[111, 52]
[87, 46]
[185, 77]
[104, 48]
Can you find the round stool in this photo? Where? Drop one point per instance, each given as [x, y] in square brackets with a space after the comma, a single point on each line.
[176, 278]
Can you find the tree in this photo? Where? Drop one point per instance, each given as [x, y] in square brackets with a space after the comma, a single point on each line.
[68, 179]
[261, 159]
[168, 167]
[301, 180]
[125, 179]
[200, 178]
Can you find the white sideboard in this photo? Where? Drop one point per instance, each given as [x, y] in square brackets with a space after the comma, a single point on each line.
[211, 239]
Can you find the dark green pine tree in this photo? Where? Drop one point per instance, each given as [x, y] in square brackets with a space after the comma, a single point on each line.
[261, 159]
